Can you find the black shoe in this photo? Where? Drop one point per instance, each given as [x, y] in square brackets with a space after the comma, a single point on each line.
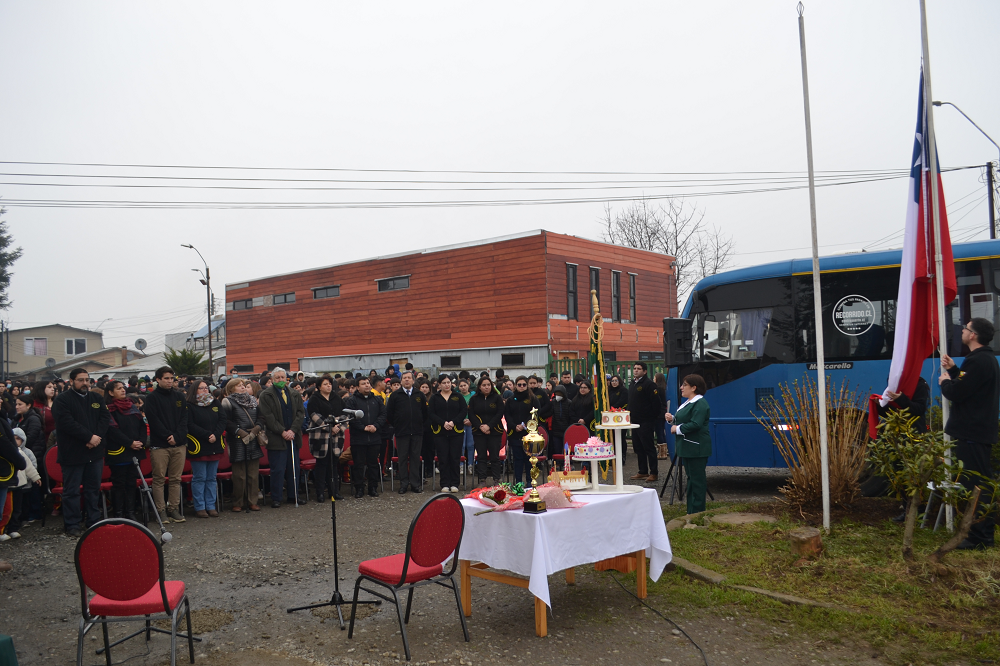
[359, 493]
[416, 489]
[973, 545]
[372, 492]
[275, 505]
[338, 497]
[402, 489]
[320, 499]
[74, 532]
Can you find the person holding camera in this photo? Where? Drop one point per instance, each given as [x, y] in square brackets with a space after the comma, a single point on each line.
[326, 438]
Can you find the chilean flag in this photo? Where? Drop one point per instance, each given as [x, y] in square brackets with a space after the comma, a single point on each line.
[916, 305]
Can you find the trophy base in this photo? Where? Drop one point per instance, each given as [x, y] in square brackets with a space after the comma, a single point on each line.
[534, 506]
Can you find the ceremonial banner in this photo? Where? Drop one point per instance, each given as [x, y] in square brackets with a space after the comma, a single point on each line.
[916, 306]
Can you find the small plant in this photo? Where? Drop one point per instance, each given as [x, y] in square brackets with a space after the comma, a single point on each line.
[794, 426]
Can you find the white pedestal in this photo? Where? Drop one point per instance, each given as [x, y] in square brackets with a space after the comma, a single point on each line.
[619, 488]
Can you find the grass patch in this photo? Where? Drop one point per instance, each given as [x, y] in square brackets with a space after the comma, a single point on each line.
[911, 613]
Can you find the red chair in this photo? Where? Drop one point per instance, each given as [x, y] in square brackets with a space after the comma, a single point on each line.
[307, 463]
[54, 472]
[121, 562]
[105, 488]
[224, 473]
[435, 533]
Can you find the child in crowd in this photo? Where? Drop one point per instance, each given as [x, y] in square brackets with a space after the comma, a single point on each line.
[10, 523]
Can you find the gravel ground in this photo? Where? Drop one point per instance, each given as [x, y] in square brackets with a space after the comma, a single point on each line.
[243, 571]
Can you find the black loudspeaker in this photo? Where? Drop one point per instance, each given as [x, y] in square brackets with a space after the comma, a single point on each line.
[677, 341]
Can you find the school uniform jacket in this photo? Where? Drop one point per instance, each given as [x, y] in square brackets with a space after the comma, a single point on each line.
[440, 411]
[202, 422]
[486, 410]
[78, 418]
[695, 440]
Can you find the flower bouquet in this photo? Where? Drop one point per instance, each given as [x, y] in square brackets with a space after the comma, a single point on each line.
[498, 498]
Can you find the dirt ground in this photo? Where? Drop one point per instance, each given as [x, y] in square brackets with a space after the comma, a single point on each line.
[244, 570]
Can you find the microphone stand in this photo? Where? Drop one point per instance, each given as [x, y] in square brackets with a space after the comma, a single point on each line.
[336, 599]
[165, 536]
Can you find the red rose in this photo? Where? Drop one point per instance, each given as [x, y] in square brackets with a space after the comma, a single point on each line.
[499, 496]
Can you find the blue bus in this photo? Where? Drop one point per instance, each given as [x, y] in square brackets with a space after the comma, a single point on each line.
[754, 328]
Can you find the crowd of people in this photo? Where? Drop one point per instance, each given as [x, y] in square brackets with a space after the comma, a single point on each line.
[355, 425]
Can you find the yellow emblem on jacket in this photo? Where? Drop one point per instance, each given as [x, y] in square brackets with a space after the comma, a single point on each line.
[95, 405]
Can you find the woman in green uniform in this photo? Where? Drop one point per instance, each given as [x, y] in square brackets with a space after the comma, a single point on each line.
[694, 441]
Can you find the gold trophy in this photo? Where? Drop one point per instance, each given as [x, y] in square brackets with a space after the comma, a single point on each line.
[533, 445]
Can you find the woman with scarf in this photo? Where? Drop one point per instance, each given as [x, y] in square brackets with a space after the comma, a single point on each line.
[205, 447]
[42, 395]
[243, 427]
[326, 441]
[126, 439]
[583, 406]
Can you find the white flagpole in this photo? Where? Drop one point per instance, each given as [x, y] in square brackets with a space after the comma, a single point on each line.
[817, 296]
[935, 217]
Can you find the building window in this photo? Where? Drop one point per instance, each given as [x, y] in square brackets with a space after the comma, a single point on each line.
[284, 299]
[571, 300]
[76, 346]
[511, 360]
[36, 346]
[611, 357]
[451, 361]
[326, 292]
[394, 283]
[595, 286]
[286, 366]
[631, 297]
[242, 368]
[616, 296]
[243, 305]
[650, 356]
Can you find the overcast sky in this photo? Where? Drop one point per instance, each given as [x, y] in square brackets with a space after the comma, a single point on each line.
[648, 88]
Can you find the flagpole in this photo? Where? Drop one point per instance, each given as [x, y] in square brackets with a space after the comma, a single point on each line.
[817, 296]
[935, 218]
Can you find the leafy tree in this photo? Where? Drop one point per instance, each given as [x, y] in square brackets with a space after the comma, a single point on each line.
[186, 361]
[8, 256]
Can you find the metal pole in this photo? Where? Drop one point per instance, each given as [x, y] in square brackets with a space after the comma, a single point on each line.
[208, 289]
[989, 195]
[929, 141]
[817, 295]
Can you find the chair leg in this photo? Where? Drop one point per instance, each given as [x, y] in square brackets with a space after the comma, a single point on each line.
[354, 607]
[402, 624]
[107, 643]
[148, 628]
[461, 615]
[409, 600]
[79, 642]
[187, 611]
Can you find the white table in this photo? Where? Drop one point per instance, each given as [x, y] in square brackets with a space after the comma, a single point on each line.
[537, 545]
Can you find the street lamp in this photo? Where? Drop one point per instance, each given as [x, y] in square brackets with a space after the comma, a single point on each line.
[207, 281]
[102, 323]
[989, 167]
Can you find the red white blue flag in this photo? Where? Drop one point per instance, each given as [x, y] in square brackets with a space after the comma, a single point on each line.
[916, 306]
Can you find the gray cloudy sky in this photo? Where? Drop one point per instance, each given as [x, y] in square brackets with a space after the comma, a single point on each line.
[653, 88]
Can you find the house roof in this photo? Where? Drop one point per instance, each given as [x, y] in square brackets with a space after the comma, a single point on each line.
[201, 332]
[77, 360]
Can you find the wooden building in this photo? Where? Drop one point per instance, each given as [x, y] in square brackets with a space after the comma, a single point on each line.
[508, 302]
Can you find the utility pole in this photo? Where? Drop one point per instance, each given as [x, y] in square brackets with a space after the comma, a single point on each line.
[989, 194]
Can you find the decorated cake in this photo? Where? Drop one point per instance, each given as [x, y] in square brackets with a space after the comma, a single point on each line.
[593, 448]
[616, 418]
[571, 480]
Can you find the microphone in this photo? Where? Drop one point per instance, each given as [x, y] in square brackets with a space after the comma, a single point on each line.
[166, 537]
[356, 413]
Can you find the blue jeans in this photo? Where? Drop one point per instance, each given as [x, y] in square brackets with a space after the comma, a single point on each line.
[203, 488]
[281, 473]
[469, 446]
[89, 476]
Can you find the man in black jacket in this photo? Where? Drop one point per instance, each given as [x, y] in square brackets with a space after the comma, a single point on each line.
[82, 420]
[406, 412]
[366, 437]
[974, 392]
[166, 413]
[646, 408]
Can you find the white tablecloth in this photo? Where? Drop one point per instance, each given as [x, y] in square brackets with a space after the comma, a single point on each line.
[539, 545]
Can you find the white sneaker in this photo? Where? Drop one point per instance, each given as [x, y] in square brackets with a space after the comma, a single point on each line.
[454, 489]
[15, 535]
[4, 537]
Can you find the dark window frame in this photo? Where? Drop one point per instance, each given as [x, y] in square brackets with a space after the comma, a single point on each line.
[285, 298]
[453, 361]
[572, 293]
[512, 360]
[616, 296]
[322, 292]
[631, 297]
[287, 365]
[595, 286]
[243, 368]
[247, 304]
[390, 283]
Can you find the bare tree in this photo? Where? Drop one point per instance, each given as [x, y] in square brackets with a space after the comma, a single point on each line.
[674, 228]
